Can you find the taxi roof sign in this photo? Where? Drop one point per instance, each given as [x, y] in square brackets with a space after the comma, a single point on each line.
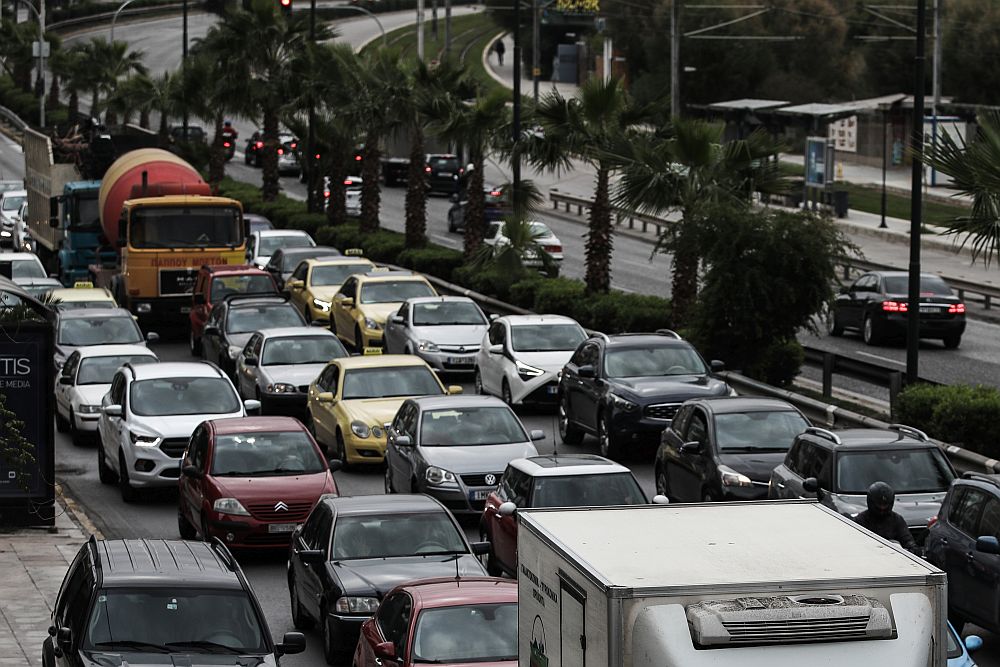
[354, 252]
[83, 284]
[370, 351]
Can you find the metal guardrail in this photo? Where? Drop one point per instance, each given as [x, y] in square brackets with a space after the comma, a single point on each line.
[621, 215]
[12, 118]
[107, 16]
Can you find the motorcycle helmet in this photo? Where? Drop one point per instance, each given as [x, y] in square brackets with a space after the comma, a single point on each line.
[881, 498]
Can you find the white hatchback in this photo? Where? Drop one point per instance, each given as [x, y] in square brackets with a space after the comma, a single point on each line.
[262, 243]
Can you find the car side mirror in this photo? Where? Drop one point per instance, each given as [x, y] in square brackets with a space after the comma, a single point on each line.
[480, 548]
[660, 499]
[494, 316]
[507, 509]
[325, 397]
[152, 337]
[973, 643]
[811, 485]
[335, 464]
[295, 283]
[385, 651]
[252, 405]
[250, 361]
[192, 472]
[64, 638]
[495, 349]
[692, 447]
[291, 642]
[717, 366]
[397, 319]
[112, 410]
[988, 544]
[454, 389]
[211, 330]
[403, 441]
[313, 556]
[536, 435]
[65, 379]
[586, 371]
[347, 302]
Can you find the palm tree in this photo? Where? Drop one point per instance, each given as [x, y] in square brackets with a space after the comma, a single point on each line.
[585, 128]
[134, 94]
[67, 67]
[107, 64]
[521, 239]
[15, 50]
[162, 100]
[692, 172]
[975, 168]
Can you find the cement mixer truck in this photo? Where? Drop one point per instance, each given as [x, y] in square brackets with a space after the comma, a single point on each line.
[165, 223]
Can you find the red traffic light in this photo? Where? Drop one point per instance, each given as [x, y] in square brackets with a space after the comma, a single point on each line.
[286, 3]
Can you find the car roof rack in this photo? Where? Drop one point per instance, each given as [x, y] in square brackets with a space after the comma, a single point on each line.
[669, 332]
[824, 433]
[903, 430]
[219, 547]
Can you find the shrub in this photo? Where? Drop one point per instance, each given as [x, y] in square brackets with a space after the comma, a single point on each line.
[915, 405]
[341, 236]
[618, 312]
[777, 364]
[488, 281]
[383, 246]
[522, 293]
[437, 261]
[307, 222]
[957, 414]
[561, 295]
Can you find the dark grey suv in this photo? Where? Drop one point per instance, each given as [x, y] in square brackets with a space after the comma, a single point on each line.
[140, 602]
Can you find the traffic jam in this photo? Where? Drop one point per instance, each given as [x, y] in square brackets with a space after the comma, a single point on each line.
[768, 541]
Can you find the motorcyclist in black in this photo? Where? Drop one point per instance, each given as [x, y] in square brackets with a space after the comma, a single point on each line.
[881, 520]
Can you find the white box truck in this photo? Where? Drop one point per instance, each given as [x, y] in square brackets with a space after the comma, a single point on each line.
[769, 584]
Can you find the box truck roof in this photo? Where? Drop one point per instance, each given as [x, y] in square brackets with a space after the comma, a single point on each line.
[717, 544]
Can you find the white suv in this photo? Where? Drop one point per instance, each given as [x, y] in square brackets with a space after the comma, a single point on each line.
[147, 418]
[521, 356]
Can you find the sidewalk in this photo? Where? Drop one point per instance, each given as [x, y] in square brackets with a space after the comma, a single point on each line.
[504, 74]
[33, 562]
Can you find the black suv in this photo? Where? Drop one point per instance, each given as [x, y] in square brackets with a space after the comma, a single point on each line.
[443, 172]
[232, 322]
[626, 388]
[725, 448]
[140, 602]
[962, 541]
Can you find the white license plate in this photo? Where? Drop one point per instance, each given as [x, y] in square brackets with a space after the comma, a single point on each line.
[552, 390]
[479, 495]
[444, 174]
[281, 527]
[929, 309]
[460, 361]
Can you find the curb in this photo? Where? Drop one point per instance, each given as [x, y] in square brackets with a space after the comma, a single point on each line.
[76, 512]
[485, 59]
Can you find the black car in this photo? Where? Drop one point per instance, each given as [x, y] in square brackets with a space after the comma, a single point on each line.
[194, 134]
[962, 541]
[876, 305]
[288, 146]
[443, 172]
[284, 260]
[351, 551]
[165, 602]
[233, 321]
[626, 388]
[725, 448]
[497, 207]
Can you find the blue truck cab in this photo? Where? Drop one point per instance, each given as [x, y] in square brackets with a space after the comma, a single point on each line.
[80, 222]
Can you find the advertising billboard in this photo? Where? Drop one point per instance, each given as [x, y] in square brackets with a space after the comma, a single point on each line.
[816, 166]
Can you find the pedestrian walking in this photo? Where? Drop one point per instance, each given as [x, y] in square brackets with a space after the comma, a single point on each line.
[500, 50]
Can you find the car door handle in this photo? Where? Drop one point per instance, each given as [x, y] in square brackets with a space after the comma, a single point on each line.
[780, 485]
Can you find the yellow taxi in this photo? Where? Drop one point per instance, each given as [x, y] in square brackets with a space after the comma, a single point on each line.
[364, 302]
[82, 295]
[314, 282]
[354, 399]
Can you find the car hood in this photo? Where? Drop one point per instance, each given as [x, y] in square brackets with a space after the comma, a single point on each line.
[261, 260]
[469, 335]
[377, 576]
[477, 458]
[296, 374]
[373, 410]
[755, 465]
[174, 426]
[380, 312]
[295, 488]
[915, 508]
[547, 361]
[323, 292]
[676, 388]
[91, 394]
[138, 659]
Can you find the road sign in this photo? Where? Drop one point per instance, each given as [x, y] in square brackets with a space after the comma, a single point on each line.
[45, 49]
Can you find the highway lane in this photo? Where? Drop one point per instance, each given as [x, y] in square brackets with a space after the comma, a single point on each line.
[11, 159]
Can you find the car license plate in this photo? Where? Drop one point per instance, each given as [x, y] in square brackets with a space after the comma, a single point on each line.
[552, 390]
[444, 174]
[460, 361]
[185, 310]
[479, 495]
[929, 309]
[281, 527]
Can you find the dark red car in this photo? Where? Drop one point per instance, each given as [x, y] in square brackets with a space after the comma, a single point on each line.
[467, 621]
[251, 481]
[214, 283]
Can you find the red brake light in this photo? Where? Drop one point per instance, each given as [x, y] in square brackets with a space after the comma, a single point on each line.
[495, 193]
[956, 308]
[357, 158]
[552, 248]
[293, 145]
[461, 170]
[225, 144]
[260, 144]
[326, 193]
[348, 181]
[894, 306]
[317, 156]
[427, 169]
[281, 151]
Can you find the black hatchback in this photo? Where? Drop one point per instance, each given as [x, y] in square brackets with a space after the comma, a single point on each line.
[725, 448]
[443, 172]
[877, 306]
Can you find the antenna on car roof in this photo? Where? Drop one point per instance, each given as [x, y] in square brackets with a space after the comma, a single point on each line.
[555, 443]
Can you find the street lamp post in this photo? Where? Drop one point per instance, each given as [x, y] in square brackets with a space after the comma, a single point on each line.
[114, 19]
[515, 167]
[41, 52]
[916, 192]
[885, 147]
[184, 57]
[310, 162]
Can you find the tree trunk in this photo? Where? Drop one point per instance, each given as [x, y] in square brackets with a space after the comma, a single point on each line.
[475, 210]
[74, 105]
[269, 160]
[371, 196]
[94, 104]
[21, 73]
[336, 208]
[144, 118]
[163, 131]
[684, 288]
[53, 100]
[110, 117]
[599, 237]
[416, 193]
[217, 155]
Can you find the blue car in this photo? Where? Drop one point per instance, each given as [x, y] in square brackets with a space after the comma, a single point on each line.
[958, 650]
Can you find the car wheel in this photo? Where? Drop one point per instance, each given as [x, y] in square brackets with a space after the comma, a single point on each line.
[104, 471]
[609, 446]
[129, 493]
[184, 527]
[707, 497]
[869, 331]
[505, 393]
[61, 424]
[246, 158]
[478, 383]
[359, 340]
[492, 567]
[311, 427]
[833, 325]
[300, 619]
[341, 453]
[388, 479]
[75, 435]
[452, 227]
[330, 653]
[662, 485]
[568, 433]
[953, 341]
[194, 344]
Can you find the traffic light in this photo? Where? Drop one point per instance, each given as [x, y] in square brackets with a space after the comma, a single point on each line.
[286, 7]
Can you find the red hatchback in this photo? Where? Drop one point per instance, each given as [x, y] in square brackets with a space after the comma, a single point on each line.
[251, 481]
[467, 621]
[214, 283]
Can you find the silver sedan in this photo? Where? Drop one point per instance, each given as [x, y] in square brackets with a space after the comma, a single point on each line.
[444, 331]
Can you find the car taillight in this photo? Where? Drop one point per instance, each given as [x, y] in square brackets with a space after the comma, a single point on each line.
[552, 248]
[495, 193]
[326, 193]
[461, 170]
[956, 308]
[281, 151]
[293, 145]
[931, 521]
[348, 181]
[357, 158]
[427, 169]
[894, 306]
[225, 144]
[317, 156]
[260, 144]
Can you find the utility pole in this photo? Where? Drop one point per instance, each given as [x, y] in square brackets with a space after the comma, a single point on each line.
[184, 57]
[936, 83]
[515, 166]
[41, 61]
[916, 192]
[420, 29]
[310, 162]
[536, 40]
[447, 28]
[675, 58]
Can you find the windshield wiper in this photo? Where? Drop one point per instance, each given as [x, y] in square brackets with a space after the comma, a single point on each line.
[213, 646]
[282, 471]
[138, 645]
[442, 553]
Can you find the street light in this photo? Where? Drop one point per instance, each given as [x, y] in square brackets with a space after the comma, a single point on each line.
[41, 52]
[115, 17]
[916, 192]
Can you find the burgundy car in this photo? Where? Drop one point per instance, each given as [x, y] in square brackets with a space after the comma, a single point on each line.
[466, 621]
[214, 283]
[251, 481]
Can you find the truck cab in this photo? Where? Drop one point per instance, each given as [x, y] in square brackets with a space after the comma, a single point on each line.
[83, 240]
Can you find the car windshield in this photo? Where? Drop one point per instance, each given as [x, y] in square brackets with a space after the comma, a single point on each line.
[444, 164]
[335, 274]
[470, 633]
[266, 453]
[253, 318]
[185, 227]
[653, 361]
[268, 244]
[25, 268]
[754, 431]
[13, 203]
[391, 381]
[465, 427]
[953, 644]
[539, 229]
[174, 620]
[546, 337]
[618, 488]
[301, 350]
[396, 535]
[86, 214]
[929, 286]
[117, 329]
[393, 291]
[183, 396]
[443, 313]
[249, 284]
[100, 370]
[83, 305]
[921, 470]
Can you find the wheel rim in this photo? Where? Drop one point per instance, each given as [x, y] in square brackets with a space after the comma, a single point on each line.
[868, 330]
[563, 422]
[831, 322]
[478, 383]
[388, 480]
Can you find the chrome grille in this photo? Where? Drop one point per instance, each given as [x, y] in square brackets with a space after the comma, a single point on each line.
[480, 479]
[664, 411]
[459, 349]
[296, 512]
[174, 447]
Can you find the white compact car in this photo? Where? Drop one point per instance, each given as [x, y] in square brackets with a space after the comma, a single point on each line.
[521, 356]
[546, 240]
[85, 379]
[262, 243]
[148, 417]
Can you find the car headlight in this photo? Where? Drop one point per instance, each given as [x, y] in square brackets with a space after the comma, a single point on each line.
[143, 440]
[527, 372]
[324, 306]
[281, 388]
[371, 324]
[377, 431]
[5, 234]
[732, 478]
[360, 429]
[88, 409]
[230, 506]
[427, 346]
[356, 605]
[440, 477]
[622, 403]
[234, 351]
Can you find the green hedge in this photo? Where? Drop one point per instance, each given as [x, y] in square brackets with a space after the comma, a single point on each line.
[957, 414]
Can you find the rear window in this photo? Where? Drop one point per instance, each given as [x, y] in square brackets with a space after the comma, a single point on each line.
[250, 284]
[245, 320]
[587, 491]
[99, 331]
[905, 470]
[394, 291]
[444, 163]
[929, 286]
